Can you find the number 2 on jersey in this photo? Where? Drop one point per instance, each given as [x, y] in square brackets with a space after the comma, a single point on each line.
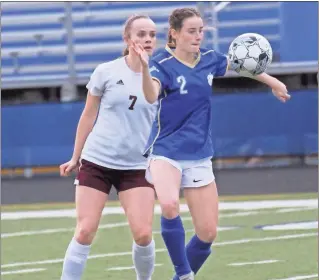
[134, 98]
[181, 80]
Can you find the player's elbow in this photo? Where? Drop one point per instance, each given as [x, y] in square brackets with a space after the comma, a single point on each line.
[151, 99]
[150, 95]
[151, 91]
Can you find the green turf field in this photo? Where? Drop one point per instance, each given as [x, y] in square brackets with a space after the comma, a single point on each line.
[34, 248]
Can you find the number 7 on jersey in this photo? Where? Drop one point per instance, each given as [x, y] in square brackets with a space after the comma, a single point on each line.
[134, 98]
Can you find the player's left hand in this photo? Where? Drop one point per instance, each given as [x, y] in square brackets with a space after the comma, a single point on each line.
[280, 91]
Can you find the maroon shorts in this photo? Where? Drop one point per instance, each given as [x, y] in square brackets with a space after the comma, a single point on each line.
[103, 178]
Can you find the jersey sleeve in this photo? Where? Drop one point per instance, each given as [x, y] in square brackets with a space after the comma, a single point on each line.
[159, 74]
[98, 80]
[222, 63]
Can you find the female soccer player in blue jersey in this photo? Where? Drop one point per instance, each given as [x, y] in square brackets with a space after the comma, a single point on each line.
[180, 145]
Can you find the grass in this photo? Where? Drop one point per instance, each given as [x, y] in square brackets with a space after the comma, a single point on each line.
[296, 256]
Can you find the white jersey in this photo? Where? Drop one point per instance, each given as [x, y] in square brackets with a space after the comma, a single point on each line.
[124, 121]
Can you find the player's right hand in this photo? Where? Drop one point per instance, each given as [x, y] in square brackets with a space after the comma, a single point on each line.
[68, 167]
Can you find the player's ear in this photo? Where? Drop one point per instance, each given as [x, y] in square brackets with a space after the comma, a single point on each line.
[129, 42]
[173, 33]
[126, 39]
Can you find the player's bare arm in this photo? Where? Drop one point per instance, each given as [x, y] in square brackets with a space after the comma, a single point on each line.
[86, 123]
[151, 87]
[279, 89]
[84, 128]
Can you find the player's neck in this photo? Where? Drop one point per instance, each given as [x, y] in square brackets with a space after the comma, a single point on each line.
[134, 63]
[185, 56]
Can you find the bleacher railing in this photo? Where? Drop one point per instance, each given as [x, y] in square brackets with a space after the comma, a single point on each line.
[97, 28]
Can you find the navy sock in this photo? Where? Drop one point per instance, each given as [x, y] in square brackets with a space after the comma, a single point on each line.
[173, 234]
[197, 253]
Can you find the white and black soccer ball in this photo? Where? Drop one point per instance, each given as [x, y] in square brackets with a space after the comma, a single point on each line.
[250, 54]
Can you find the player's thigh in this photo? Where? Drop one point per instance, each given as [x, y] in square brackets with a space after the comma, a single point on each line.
[203, 206]
[93, 186]
[201, 194]
[89, 206]
[138, 204]
[166, 175]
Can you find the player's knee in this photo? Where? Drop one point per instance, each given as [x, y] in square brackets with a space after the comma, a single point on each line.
[143, 235]
[208, 233]
[170, 208]
[85, 233]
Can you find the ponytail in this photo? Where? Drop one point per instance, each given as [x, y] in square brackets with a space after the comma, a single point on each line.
[125, 52]
[170, 40]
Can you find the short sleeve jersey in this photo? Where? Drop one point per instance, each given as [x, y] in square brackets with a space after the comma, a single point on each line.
[124, 119]
[182, 129]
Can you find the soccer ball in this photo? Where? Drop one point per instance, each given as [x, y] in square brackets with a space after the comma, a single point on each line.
[250, 54]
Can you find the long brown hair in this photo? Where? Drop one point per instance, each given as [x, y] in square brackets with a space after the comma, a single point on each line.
[176, 20]
[128, 26]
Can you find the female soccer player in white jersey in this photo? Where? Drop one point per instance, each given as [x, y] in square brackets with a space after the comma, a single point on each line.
[110, 140]
[180, 145]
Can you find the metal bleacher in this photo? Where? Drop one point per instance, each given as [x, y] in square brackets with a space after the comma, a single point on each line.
[34, 45]
[34, 36]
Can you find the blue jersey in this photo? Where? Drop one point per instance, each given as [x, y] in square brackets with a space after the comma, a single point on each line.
[182, 128]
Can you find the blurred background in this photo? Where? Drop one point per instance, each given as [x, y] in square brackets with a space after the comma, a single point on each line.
[49, 50]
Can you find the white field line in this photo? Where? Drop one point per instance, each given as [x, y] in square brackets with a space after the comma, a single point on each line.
[300, 277]
[251, 213]
[233, 215]
[217, 244]
[120, 268]
[273, 238]
[56, 230]
[296, 209]
[241, 205]
[219, 229]
[293, 226]
[122, 224]
[22, 271]
[253, 263]
[60, 230]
